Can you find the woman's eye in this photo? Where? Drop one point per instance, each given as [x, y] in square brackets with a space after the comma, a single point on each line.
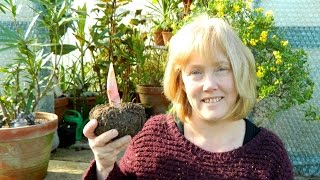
[195, 72]
[223, 69]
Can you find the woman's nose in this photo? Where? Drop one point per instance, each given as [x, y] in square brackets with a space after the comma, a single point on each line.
[210, 83]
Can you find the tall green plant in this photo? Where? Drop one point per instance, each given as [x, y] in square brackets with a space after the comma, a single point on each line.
[30, 75]
[55, 18]
[23, 85]
[118, 42]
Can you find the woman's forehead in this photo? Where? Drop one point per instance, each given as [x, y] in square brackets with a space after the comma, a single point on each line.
[218, 58]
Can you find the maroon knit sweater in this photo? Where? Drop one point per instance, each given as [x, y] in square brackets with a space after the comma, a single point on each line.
[160, 151]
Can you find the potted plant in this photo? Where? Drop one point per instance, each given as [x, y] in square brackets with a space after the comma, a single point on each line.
[75, 80]
[117, 41]
[25, 135]
[167, 28]
[61, 99]
[157, 33]
[165, 14]
[149, 85]
[78, 88]
[56, 17]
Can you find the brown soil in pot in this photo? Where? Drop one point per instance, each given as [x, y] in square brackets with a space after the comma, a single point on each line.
[128, 119]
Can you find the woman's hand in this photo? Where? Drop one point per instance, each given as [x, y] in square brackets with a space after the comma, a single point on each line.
[104, 149]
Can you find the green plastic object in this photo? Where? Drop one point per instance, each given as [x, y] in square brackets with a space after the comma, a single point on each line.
[74, 117]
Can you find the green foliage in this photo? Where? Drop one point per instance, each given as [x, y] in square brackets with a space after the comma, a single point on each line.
[117, 42]
[56, 18]
[283, 73]
[24, 83]
[151, 71]
[165, 14]
[72, 82]
[30, 75]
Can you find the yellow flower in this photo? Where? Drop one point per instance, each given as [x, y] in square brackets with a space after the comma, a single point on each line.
[284, 43]
[220, 14]
[174, 26]
[236, 8]
[253, 42]
[277, 82]
[263, 36]
[260, 9]
[244, 41]
[251, 26]
[278, 61]
[276, 54]
[273, 69]
[260, 72]
[220, 7]
[269, 13]
[278, 57]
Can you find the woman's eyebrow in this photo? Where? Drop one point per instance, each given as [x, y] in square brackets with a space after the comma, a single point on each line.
[221, 62]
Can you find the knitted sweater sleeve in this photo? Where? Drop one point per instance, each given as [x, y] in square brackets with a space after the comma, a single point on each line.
[125, 170]
[284, 169]
[91, 174]
[287, 172]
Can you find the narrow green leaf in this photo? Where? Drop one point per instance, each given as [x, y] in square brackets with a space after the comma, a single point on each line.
[62, 49]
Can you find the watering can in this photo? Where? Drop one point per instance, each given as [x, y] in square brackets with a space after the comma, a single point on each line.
[75, 117]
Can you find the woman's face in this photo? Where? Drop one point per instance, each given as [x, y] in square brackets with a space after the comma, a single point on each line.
[210, 89]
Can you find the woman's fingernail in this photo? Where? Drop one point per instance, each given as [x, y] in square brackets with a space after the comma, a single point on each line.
[128, 138]
[115, 132]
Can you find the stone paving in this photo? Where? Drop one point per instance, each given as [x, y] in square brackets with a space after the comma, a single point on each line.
[68, 163]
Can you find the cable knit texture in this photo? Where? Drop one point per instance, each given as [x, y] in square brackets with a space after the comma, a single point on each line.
[160, 151]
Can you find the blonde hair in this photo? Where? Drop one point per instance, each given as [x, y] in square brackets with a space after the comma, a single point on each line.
[203, 36]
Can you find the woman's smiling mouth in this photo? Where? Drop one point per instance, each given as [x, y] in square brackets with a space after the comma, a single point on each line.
[212, 100]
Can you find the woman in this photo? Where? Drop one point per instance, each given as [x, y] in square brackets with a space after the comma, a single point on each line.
[210, 80]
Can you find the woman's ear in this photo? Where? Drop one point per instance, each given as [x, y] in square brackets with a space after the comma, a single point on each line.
[181, 82]
[183, 87]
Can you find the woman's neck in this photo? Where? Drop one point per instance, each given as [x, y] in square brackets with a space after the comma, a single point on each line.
[215, 137]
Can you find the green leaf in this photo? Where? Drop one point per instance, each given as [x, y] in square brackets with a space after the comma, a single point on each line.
[62, 49]
[7, 35]
[134, 22]
[28, 107]
[31, 26]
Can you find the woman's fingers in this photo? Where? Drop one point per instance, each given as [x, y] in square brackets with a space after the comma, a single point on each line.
[113, 148]
[103, 146]
[105, 137]
[120, 143]
[89, 128]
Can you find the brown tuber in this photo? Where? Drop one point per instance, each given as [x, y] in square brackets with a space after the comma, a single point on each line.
[127, 119]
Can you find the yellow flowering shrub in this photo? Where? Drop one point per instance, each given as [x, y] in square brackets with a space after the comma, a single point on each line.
[282, 71]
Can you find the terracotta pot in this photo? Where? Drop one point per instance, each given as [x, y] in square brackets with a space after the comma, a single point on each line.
[157, 38]
[25, 151]
[154, 97]
[60, 106]
[166, 37]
